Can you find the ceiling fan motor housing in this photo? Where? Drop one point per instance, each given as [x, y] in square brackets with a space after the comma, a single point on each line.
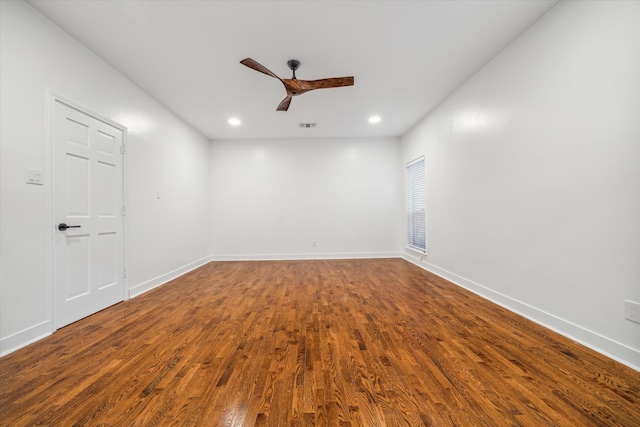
[293, 64]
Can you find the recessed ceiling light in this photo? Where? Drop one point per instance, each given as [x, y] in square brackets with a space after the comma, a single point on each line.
[234, 121]
[374, 119]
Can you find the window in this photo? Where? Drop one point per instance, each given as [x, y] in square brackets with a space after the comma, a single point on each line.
[416, 201]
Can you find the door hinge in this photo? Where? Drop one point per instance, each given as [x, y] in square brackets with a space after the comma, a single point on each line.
[122, 149]
[124, 272]
[123, 211]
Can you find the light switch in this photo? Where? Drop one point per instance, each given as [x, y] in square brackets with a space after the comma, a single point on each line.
[33, 176]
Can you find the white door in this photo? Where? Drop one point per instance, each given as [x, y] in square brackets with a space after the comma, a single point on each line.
[88, 260]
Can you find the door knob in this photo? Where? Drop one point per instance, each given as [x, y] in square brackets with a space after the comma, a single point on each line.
[62, 226]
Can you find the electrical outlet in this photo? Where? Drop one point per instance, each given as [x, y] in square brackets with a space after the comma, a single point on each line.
[632, 311]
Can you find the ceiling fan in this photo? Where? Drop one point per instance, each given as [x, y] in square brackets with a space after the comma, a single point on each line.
[295, 87]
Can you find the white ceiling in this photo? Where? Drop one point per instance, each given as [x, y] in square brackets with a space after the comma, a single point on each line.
[406, 56]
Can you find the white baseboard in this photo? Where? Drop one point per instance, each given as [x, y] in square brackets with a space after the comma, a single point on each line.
[143, 287]
[310, 256]
[25, 337]
[603, 345]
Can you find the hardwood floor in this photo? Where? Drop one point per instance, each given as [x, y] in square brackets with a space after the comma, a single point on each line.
[340, 342]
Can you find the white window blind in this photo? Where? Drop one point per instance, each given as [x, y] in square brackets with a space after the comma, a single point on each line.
[416, 202]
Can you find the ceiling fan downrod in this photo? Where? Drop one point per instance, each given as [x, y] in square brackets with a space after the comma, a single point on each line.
[293, 64]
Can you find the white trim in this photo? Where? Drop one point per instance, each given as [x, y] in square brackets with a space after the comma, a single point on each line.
[612, 349]
[414, 161]
[143, 287]
[417, 250]
[312, 256]
[25, 337]
[412, 197]
[49, 214]
[125, 202]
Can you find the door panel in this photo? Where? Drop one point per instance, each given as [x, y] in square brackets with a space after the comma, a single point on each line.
[107, 260]
[77, 133]
[77, 186]
[87, 195]
[106, 144]
[106, 187]
[77, 267]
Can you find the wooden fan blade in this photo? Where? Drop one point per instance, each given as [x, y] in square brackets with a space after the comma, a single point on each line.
[298, 87]
[258, 67]
[326, 83]
[284, 105]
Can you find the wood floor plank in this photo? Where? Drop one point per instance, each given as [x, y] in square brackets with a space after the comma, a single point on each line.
[312, 343]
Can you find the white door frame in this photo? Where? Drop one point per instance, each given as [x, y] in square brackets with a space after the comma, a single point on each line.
[51, 230]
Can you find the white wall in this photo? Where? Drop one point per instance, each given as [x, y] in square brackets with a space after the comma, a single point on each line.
[164, 236]
[533, 176]
[272, 198]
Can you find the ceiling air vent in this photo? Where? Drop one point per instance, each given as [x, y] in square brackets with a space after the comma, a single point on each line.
[307, 125]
